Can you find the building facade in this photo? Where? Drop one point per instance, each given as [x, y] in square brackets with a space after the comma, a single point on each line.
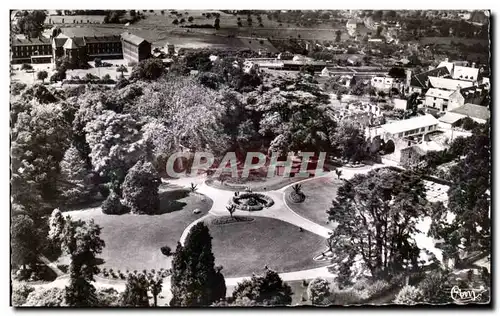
[135, 48]
[31, 50]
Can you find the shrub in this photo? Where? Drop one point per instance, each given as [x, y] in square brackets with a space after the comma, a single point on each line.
[346, 297]
[20, 294]
[122, 83]
[318, 291]
[113, 206]
[26, 67]
[377, 287]
[409, 295]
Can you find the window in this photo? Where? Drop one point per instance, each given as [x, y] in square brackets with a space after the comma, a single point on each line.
[434, 104]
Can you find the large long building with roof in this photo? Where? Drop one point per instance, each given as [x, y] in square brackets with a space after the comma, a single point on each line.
[83, 43]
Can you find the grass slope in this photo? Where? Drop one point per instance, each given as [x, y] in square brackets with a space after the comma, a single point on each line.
[243, 248]
[133, 241]
[319, 195]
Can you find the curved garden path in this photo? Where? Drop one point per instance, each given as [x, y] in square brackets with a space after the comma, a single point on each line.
[280, 210]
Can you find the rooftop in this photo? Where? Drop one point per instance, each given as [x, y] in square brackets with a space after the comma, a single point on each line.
[448, 84]
[410, 124]
[134, 39]
[466, 73]
[438, 93]
[420, 80]
[30, 41]
[473, 111]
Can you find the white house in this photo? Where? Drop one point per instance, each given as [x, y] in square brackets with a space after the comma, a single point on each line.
[415, 126]
[437, 99]
[477, 113]
[385, 83]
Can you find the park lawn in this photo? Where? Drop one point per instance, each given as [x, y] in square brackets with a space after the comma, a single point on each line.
[133, 241]
[319, 195]
[247, 247]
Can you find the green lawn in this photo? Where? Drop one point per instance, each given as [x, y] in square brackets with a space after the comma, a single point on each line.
[133, 241]
[243, 248]
[319, 195]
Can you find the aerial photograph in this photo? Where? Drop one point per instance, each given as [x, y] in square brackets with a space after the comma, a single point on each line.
[250, 158]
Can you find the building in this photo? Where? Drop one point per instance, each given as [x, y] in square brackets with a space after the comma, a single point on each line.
[31, 50]
[87, 48]
[419, 83]
[437, 99]
[477, 113]
[386, 83]
[413, 127]
[465, 73]
[448, 84]
[169, 49]
[135, 48]
[474, 94]
[285, 56]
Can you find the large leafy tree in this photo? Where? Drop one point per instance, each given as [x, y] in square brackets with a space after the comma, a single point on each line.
[191, 116]
[350, 142]
[140, 188]
[294, 115]
[195, 280]
[75, 181]
[81, 240]
[136, 291]
[24, 241]
[377, 214]
[40, 138]
[149, 69]
[266, 290]
[116, 145]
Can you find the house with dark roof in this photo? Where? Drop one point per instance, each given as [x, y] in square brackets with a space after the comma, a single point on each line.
[135, 48]
[419, 83]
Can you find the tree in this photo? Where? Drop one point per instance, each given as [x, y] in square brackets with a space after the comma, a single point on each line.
[175, 22]
[113, 205]
[266, 290]
[409, 295]
[377, 214]
[81, 240]
[24, 241]
[20, 293]
[338, 172]
[140, 189]
[338, 33]
[190, 19]
[31, 24]
[98, 62]
[116, 145]
[155, 286]
[40, 138]
[148, 69]
[74, 180]
[136, 291]
[318, 291]
[231, 209]
[350, 141]
[57, 222]
[195, 280]
[217, 24]
[42, 75]
[121, 70]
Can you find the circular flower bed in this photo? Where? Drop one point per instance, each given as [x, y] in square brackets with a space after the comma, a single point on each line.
[250, 201]
[297, 197]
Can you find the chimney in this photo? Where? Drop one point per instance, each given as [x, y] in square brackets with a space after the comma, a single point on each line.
[446, 59]
[473, 65]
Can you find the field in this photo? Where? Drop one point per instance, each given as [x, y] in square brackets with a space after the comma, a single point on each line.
[319, 195]
[247, 247]
[133, 241]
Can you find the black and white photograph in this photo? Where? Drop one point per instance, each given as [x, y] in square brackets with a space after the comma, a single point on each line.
[180, 158]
